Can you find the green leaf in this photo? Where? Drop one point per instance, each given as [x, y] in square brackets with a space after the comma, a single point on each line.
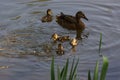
[62, 71]
[64, 76]
[95, 76]
[71, 70]
[89, 75]
[104, 68]
[74, 70]
[52, 69]
[74, 78]
[58, 73]
[100, 43]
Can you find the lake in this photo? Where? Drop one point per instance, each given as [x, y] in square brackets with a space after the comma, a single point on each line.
[26, 48]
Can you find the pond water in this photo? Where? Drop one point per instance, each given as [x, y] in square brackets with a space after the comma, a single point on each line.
[26, 48]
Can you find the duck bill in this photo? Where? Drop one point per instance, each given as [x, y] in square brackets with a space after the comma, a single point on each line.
[86, 18]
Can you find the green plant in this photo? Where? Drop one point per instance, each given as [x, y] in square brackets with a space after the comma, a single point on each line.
[52, 70]
[63, 73]
[103, 70]
[100, 44]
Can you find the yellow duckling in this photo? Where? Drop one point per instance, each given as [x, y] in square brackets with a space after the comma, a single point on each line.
[74, 42]
[60, 49]
[48, 16]
[55, 37]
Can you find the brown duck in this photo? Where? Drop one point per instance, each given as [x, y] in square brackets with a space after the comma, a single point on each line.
[72, 23]
[48, 16]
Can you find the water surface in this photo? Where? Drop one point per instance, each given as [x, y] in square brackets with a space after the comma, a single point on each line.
[22, 35]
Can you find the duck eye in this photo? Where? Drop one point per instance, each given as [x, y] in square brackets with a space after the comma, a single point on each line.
[83, 15]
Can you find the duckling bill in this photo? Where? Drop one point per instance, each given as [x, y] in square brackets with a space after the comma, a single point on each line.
[48, 16]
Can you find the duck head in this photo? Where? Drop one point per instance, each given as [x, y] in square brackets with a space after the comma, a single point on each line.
[49, 12]
[80, 14]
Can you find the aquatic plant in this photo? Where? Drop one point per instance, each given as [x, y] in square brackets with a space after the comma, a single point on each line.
[100, 44]
[64, 74]
[103, 70]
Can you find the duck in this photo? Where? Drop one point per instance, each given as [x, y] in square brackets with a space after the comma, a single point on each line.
[72, 22]
[60, 49]
[55, 37]
[47, 17]
[64, 38]
[74, 42]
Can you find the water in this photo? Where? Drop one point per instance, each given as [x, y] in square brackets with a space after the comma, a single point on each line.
[22, 35]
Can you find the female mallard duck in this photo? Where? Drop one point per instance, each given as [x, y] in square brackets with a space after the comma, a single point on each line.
[48, 17]
[60, 49]
[72, 23]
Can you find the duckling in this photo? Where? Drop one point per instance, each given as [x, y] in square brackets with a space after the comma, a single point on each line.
[48, 16]
[74, 42]
[64, 38]
[72, 22]
[60, 49]
[55, 37]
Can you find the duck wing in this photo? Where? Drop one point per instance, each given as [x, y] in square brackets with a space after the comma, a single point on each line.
[67, 21]
[68, 18]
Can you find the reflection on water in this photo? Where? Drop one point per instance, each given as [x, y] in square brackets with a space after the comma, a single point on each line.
[15, 18]
[34, 1]
[26, 47]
